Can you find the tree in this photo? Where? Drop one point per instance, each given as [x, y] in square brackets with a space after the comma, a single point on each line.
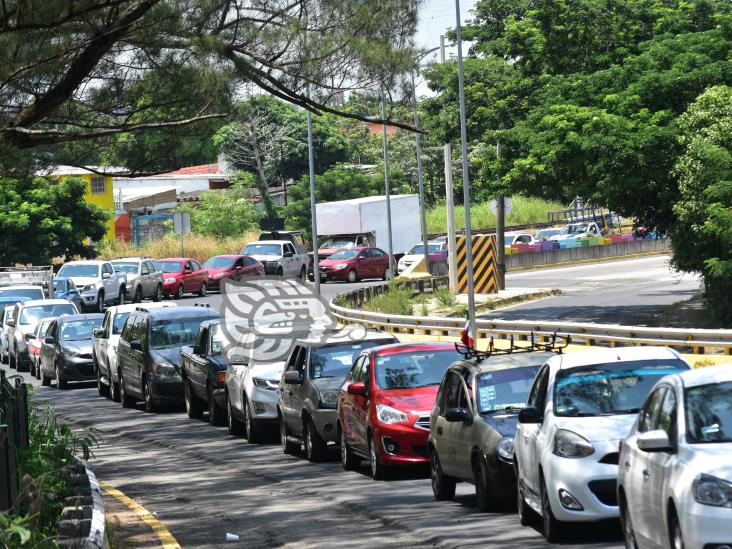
[225, 212]
[40, 221]
[702, 230]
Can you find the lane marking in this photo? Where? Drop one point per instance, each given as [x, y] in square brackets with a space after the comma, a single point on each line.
[163, 534]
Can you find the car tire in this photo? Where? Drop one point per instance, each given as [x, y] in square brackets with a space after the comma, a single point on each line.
[38, 369]
[121, 297]
[348, 458]
[674, 529]
[32, 369]
[60, 381]
[378, 470]
[524, 511]
[158, 295]
[150, 405]
[124, 397]
[11, 361]
[303, 273]
[100, 302]
[114, 390]
[179, 292]
[102, 389]
[45, 380]
[288, 447]
[215, 413]
[137, 298]
[552, 527]
[236, 427]
[202, 292]
[251, 428]
[280, 272]
[483, 492]
[194, 410]
[352, 276]
[311, 277]
[387, 274]
[627, 525]
[315, 447]
[443, 487]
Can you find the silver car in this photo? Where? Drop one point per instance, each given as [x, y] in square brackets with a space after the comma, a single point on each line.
[144, 278]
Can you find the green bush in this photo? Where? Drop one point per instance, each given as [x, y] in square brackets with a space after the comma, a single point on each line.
[444, 297]
[397, 300]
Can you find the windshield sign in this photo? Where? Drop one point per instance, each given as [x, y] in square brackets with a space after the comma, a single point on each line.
[415, 369]
[336, 360]
[709, 413]
[609, 389]
[263, 249]
[81, 271]
[504, 389]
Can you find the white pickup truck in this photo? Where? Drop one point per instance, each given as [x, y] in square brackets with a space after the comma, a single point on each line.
[573, 231]
[98, 283]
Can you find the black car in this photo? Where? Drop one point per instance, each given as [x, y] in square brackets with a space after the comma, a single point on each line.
[148, 354]
[66, 351]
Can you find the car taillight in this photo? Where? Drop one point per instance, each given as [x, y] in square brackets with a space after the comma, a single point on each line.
[220, 377]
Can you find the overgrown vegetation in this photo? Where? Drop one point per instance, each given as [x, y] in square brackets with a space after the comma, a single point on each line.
[397, 300]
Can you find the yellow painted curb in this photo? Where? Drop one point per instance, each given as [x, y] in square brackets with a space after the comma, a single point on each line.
[587, 261]
[166, 538]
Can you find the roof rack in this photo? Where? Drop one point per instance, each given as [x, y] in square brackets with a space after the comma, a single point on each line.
[556, 345]
[202, 305]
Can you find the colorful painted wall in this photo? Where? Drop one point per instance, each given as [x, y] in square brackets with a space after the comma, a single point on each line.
[99, 191]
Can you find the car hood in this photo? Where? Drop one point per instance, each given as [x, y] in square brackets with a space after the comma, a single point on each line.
[271, 371]
[212, 272]
[503, 422]
[332, 262]
[264, 258]
[83, 347]
[328, 383]
[411, 257]
[82, 281]
[419, 399]
[711, 459]
[171, 355]
[599, 428]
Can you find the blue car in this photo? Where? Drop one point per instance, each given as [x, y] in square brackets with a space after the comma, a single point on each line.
[64, 288]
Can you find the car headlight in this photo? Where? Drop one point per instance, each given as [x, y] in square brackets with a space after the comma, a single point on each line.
[90, 287]
[710, 490]
[568, 444]
[169, 280]
[387, 414]
[505, 449]
[164, 370]
[340, 266]
[265, 384]
[218, 275]
[328, 399]
[70, 352]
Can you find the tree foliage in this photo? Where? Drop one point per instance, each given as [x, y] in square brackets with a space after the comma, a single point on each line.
[40, 221]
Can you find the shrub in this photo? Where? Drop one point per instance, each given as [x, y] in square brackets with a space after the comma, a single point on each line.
[444, 297]
[397, 300]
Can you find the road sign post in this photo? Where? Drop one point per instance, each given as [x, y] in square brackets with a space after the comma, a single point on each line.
[313, 214]
[449, 204]
[386, 188]
[182, 226]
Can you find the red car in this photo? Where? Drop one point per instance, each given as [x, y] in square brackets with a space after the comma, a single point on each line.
[183, 275]
[354, 264]
[385, 403]
[233, 267]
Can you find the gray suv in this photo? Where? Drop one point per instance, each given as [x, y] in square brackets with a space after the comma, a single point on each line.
[144, 278]
[308, 392]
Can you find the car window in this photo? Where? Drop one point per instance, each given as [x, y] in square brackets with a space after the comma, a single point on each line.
[503, 389]
[80, 270]
[202, 340]
[174, 332]
[708, 413]
[195, 266]
[188, 266]
[353, 376]
[51, 332]
[31, 315]
[534, 393]
[119, 322]
[106, 324]
[453, 386]
[128, 332]
[107, 268]
[337, 360]
[78, 330]
[648, 416]
[667, 415]
[144, 269]
[292, 361]
[375, 252]
[142, 331]
[418, 368]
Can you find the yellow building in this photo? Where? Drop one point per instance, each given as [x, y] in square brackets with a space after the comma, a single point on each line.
[99, 190]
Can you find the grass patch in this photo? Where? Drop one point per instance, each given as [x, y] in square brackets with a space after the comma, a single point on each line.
[444, 297]
[524, 211]
[397, 300]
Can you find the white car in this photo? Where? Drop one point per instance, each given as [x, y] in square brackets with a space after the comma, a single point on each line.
[675, 481]
[435, 249]
[518, 238]
[566, 448]
[99, 284]
[279, 257]
[7, 313]
[573, 231]
[104, 346]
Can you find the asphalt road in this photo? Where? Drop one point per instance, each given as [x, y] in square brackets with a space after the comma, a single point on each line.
[202, 483]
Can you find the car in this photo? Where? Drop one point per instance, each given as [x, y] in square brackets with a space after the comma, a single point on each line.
[144, 278]
[182, 275]
[436, 252]
[66, 353]
[573, 231]
[104, 346]
[385, 402]
[279, 257]
[23, 322]
[231, 267]
[148, 354]
[354, 264]
[98, 283]
[34, 346]
[203, 368]
[6, 313]
[65, 288]
[473, 425]
[518, 238]
[10, 295]
[579, 408]
[308, 393]
[675, 483]
[546, 234]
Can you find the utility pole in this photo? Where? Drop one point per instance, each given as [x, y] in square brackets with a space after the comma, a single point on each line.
[386, 187]
[313, 209]
[500, 234]
[420, 181]
[449, 203]
[466, 178]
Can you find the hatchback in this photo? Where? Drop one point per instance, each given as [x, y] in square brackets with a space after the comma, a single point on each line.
[183, 275]
[231, 267]
[354, 264]
[66, 351]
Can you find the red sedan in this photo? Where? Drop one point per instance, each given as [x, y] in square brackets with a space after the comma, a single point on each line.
[232, 267]
[384, 405]
[354, 264]
[183, 275]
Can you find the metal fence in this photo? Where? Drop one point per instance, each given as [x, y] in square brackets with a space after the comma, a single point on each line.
[13, 435]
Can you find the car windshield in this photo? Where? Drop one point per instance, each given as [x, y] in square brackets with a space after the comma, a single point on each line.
[336, 360]
[504, 389]
[171, 333]
[78, 330]
[418, 368]
[709, 413]
[574, 229]
[608, 389]
[431, 248]
[262, 249]
[131, 268]
[83, 271]
[31, 315]
[509, 239]
[6, 294]
[344, 254]
[219, 262]
[219, 341]
[546, 233]
[331, 243]
[119, 322]
[171, 266]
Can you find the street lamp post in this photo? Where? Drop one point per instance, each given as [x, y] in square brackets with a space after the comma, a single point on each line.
[387, 190]
[449, 203]
[313, 208]
[420, 181]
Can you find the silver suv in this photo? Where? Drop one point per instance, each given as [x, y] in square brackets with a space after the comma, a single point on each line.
[144, 278]
[279, 257]
[308, 393]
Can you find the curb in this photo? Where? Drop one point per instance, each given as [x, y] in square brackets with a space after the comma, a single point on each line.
[83, 520]
[587, 261]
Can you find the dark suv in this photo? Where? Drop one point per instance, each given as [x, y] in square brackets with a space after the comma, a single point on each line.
[148, 355]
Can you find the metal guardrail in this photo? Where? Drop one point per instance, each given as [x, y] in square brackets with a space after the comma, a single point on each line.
[697, 341]
[13, 435]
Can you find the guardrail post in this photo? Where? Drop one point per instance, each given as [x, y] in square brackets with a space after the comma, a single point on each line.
[420, 286]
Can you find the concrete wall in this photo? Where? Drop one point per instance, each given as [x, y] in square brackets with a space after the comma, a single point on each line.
[582, 254]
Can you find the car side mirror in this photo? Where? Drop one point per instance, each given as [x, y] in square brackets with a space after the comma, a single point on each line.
[98, 332]
[106, 276]
[654, 441]
[530, 414]
[136, 345]
[357, 388]
[73, 291]
[293, 378]
[361, 258]
[187, 271]
[462, 415]
[28, 337]
[50, 340]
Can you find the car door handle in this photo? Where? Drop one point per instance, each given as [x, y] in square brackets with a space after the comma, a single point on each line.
[646, 474]
[627, 465]
[439, 430]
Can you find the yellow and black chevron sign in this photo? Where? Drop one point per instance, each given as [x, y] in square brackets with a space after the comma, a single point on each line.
[484, 264]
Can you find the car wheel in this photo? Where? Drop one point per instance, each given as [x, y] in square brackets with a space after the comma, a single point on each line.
[100, 302]
[60, 381]
[378, 470]
[158, 295]
[483, 493]
[352, 276]
[215, 413]
[193, 405]
[102, 389]
[280, 272]
[288, 447]
[250, 424]
[179, 292]
[45, 380]
[677, 538]
[303, 273]
[348, 459]
[150, 405]
[315, 447]
[387, 274]
[552, 527]
[11, 361]
[32, 369]
[625, 522]
[38, 369]
[114, 389]
[311, 277]
[121, 296]
[525, 513]
[443, 487]
[236, 427]
[124, 397]
[138, 295]
[203, 290]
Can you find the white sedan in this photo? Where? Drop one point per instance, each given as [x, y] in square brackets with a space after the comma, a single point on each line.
[675, 482]
[566, 447]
